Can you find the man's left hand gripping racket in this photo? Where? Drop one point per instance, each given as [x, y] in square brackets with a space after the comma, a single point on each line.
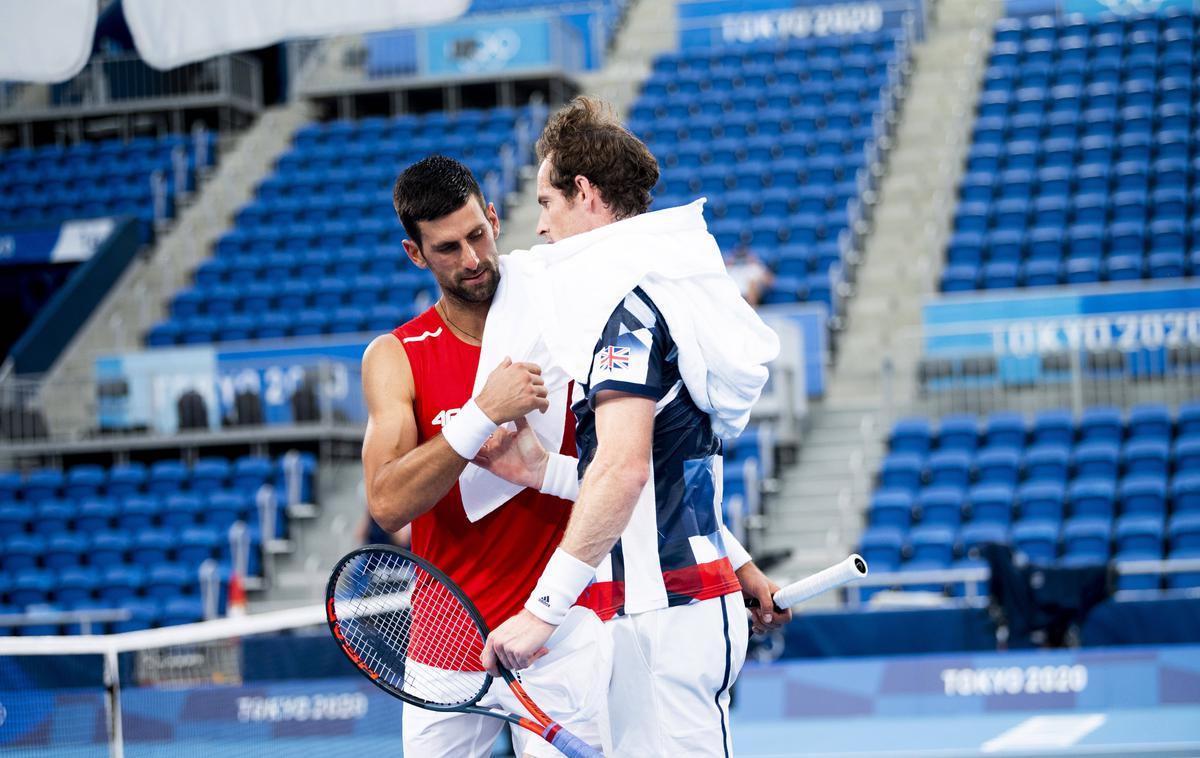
[414, 633]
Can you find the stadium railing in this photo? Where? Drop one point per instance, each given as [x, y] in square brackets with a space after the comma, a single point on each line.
[121, 83]
[975, 588]
[979, 383]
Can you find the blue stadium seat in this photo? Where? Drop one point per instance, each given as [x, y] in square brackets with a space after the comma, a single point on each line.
[16, 517]
[1184, 579]
[32, 587]
[76, 585]
[10, 486]
[1143, 494]
[998, 465]
[22, 552]
[891, 509]
[958, 432]
[198, 544]
[949, 468]
[169, 580]
[1187, 420]
[109, 548]
[210, 474]
[54, 516]
[85, 480]
[1146, 457]
[1041, 501]
[1101, 424]
[991, 503]
[152, 546]
[224, 508]
[932, 544]
[1184, 531]
[882, 546]
[143, 615]
[251, 472]
[978, 533]
[1038, 540]
[43, 484]
[95, 514]
[941, 505]
[166, 478]
[122, 584]
[182, 509]
[1098, 460]
[66, 550]
[139, 512]
[1185, 491]
[126, 479]
[901, 471]
[1087, 541]
[1047, 462]
[1004, 430]
[181, 610]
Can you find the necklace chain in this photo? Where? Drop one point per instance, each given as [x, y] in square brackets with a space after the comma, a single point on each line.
[446, 316]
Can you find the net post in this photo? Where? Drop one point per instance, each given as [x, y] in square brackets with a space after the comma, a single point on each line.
[112, 700]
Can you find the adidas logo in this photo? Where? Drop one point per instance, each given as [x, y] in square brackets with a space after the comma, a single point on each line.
[544, 600]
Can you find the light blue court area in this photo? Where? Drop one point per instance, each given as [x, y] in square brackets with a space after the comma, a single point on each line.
[1163, 731]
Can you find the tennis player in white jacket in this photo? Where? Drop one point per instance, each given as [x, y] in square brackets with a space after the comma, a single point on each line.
[667, 359]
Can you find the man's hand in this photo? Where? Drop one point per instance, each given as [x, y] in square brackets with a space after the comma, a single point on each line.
[516, 643]
[513, 390]
[515, 456]
[755, 584]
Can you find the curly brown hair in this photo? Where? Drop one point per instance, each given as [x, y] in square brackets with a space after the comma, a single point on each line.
[584, 138]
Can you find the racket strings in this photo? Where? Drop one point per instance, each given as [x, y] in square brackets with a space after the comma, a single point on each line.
[408, 629]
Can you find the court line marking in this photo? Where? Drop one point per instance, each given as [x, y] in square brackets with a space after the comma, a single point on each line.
[1061, 730]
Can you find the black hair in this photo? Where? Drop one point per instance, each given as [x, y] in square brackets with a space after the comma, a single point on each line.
[431, 188]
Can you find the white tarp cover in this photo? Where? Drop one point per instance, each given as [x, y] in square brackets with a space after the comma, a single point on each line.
[169, 33]
[45, 41]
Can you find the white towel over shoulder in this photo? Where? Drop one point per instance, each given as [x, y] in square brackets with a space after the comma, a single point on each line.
[723, 344]
[512, 332]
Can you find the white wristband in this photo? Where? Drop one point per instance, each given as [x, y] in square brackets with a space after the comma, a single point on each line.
[559, 587]
[468, 430]
[738, 555]
[562, 477]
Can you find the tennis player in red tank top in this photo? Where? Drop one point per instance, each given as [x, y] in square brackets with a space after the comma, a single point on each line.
[424, 427]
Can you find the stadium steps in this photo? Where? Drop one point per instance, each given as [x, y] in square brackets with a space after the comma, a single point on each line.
[913, 215]
[815, 514]
[649, 28]
[297, 576]
[817, 511]
[140, 297]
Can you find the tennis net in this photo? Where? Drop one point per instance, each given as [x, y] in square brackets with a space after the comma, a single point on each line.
[271, 684]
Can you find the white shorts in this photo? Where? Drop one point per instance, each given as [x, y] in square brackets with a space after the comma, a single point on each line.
[570, 683]
[672, 670]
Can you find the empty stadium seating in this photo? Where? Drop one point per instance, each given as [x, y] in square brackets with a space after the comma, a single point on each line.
[1107, 485]
[777, 137]
[133, 536]
[52, 184]
[1083, 164]
[318, 250]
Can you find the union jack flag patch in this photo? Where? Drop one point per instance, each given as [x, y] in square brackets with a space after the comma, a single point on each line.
[613, 358]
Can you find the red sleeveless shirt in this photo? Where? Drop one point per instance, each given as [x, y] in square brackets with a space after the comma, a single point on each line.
[498, 559]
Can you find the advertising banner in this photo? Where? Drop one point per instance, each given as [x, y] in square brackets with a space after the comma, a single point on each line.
[211, 386]
[70, 242]
[712, 23]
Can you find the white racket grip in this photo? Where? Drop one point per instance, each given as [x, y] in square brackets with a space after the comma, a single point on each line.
[854, 567]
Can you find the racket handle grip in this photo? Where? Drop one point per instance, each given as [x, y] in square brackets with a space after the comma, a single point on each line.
[573, 747]
[752, 602]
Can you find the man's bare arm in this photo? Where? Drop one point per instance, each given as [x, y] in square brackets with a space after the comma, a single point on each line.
[404, 479]
[615, 478]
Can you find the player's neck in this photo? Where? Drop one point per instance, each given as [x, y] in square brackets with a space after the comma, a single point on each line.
[466, 320]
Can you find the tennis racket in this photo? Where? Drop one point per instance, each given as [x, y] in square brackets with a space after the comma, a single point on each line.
[414, 633]
[854, 567]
